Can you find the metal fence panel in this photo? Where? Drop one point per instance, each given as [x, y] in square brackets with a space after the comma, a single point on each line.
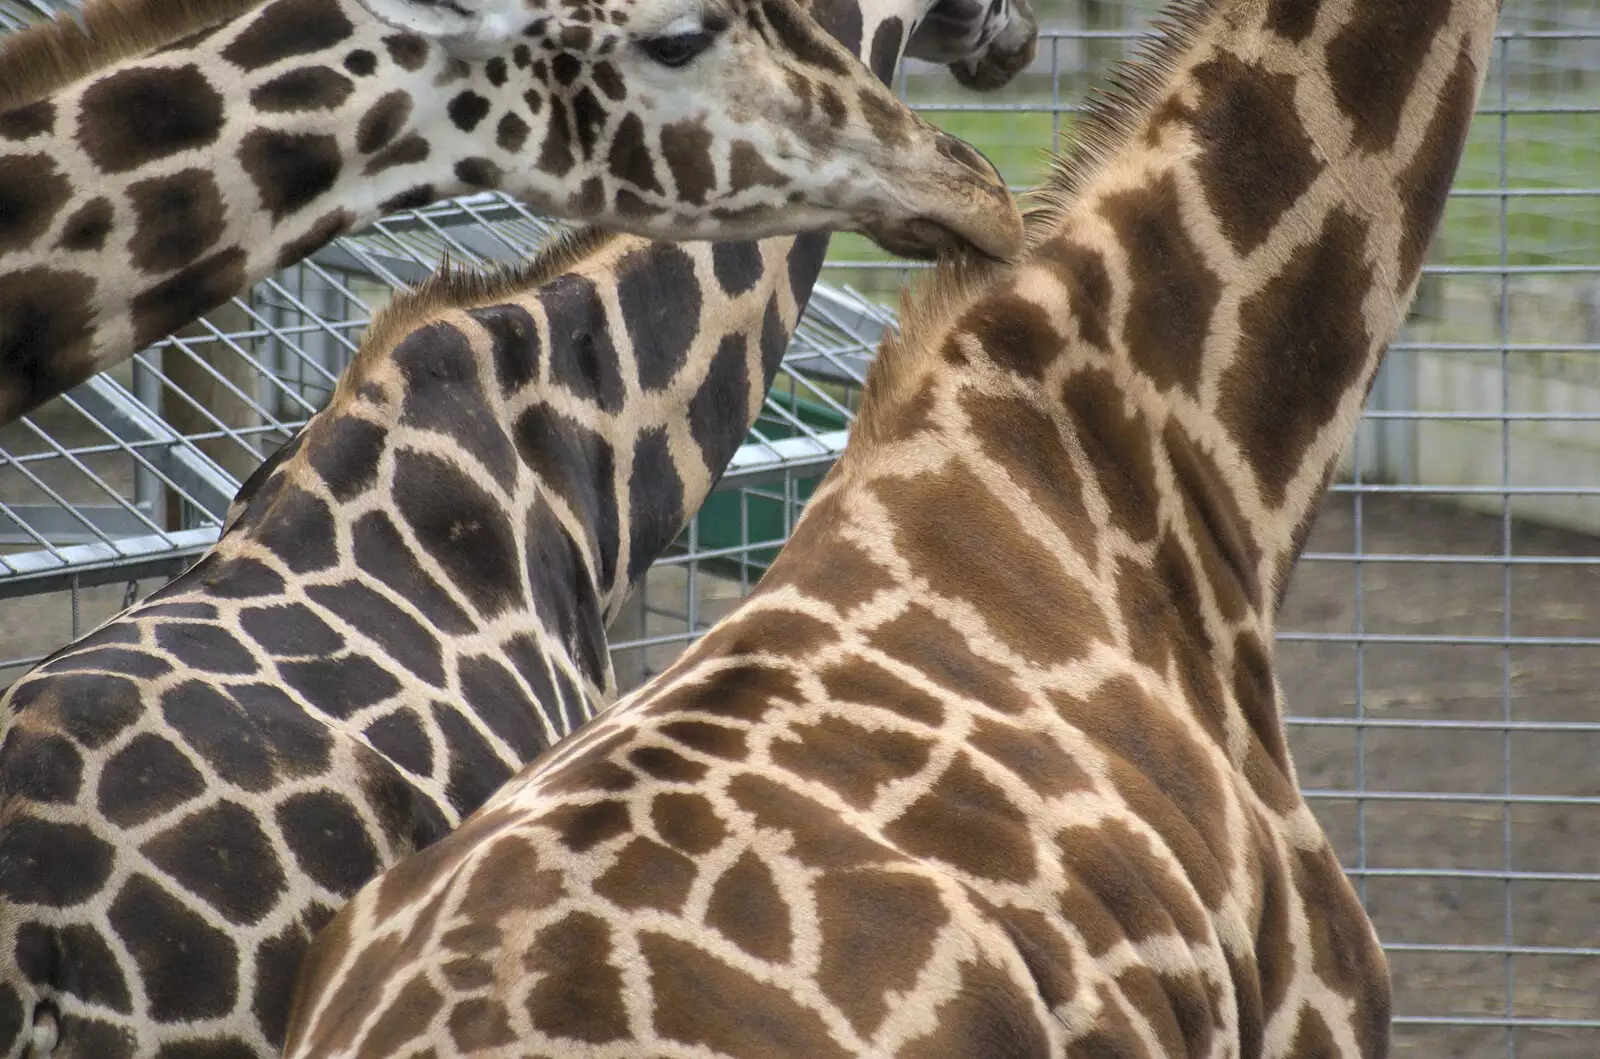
[1440, 651]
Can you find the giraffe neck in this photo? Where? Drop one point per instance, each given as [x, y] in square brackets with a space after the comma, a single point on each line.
[262, 139]
[1212, 284]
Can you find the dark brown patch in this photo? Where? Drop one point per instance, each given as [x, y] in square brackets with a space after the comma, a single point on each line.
[747, 908]
[511, 132]
[820, 839]
[888, 124]
[1313, 1039]
[479, 173]
[1256, 159]
[749, 169]
[1267, 768]
[177, 218]
[1275, 949]
[467, 109]
[88, 226]
[1015, 333]
[790, 633]
[718, 740]
[480, 1023]
[308, 88]
[987, 1015]
[952, 530]
[629, 158]
[1425, 183]
[579, 993]
[1174, 290]
[1294, 19]
[286, 28]
[1117, 444]
[966, 821]
[32, 192]
[407, 50]
[833, 568]
[1036, 758]
[1028, 445]
[1229, 555]
[1119, 889]
[665, 764]
[878, 930]
[922, 639]
[1047, 955]
[407, 150]
[186, 295]
[749, 1017]
[290, 170]
[323, 231]
[1163, 773]
[743, 692]
[853, 761]
[687, 149]
[26, 122]
[582, 827]
[647, 874]
[383, 121]
[404, 1019]
[1373, 62]
[1304, 343]
[1083, 273]
[869, 684]
[135, 116]
[555, 154]
[1344, 953]
[687, 821]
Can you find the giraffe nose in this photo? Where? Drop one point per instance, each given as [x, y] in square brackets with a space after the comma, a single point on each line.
[960, 201]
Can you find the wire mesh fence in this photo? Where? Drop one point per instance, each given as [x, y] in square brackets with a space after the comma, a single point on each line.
[1440, 650]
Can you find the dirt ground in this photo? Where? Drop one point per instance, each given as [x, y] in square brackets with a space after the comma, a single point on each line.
[1453, 826]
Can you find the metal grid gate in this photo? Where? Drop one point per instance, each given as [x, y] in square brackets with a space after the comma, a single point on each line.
[1441, 643]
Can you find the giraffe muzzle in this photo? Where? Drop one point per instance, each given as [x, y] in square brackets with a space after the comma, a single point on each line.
[956, 202]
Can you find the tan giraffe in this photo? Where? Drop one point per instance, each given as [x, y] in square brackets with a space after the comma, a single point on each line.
[992, 763]
[408, 603]
[173, 152]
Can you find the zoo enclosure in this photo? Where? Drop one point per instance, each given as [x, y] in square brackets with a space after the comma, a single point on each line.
[1441, 644]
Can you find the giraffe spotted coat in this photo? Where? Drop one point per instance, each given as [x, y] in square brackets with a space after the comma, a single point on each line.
[408, 602]
[143, 189]
[992, 763]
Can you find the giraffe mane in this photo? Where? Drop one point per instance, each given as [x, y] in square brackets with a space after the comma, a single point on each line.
[53, 53]
[932, 303]
[455, 286]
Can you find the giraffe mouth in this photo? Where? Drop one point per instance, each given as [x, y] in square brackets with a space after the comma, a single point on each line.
[955, 200]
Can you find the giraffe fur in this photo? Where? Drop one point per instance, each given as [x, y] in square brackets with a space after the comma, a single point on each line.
[146, 184]
[408, 602]
[992, 761]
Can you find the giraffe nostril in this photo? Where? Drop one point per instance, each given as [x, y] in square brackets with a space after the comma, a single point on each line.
[964, 153]
[46, 1031]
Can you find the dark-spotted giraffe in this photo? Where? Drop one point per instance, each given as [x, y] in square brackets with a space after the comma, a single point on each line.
[173, 152]
[992, 763]
[408, 603]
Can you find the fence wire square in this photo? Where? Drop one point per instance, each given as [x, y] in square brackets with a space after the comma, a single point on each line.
[1440, 646]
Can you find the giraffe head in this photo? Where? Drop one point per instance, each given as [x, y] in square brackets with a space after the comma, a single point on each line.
[710, 119]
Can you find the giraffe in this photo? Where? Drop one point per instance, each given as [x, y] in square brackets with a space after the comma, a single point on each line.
[992, 761]
[406, 604]
[166, 154]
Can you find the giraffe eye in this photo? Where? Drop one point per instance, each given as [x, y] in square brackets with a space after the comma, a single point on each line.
[676, 49]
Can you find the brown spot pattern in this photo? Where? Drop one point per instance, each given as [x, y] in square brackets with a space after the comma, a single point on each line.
[1256, 158]
[878, 930]
[177, 218]
[579, 993]
[747, 908]
[1374, 61]
[952, 531]
[969, 823]
[1174, 290]
[32, 192]
[1304, 342]
[853, 761]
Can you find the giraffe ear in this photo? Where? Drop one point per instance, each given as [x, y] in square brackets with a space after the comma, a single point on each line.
[468, 29]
